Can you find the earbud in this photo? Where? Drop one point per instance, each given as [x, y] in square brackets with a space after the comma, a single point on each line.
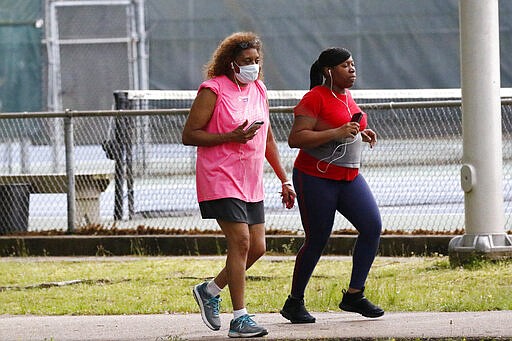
[329, 72]
[232, 66]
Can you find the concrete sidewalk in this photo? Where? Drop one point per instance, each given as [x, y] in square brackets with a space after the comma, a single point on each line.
[330, 325]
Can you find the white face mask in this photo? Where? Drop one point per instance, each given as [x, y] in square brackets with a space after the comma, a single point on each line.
[248, 73]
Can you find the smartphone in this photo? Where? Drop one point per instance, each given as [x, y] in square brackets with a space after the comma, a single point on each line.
[255, 123]
[356, 117]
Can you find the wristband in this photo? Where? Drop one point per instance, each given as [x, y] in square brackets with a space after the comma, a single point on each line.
[287, 183]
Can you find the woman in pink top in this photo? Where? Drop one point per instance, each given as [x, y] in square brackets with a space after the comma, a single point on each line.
[229, 123]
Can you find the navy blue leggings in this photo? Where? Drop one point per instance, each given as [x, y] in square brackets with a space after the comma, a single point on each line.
[319, 199]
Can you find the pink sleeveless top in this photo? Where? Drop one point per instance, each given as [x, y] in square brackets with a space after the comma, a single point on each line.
[233, 170]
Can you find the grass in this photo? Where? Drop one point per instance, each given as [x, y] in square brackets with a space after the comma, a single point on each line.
[145, 285]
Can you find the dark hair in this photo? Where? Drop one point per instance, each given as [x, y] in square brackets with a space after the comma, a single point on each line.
[329, 57]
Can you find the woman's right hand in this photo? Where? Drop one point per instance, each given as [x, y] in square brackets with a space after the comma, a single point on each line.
[350, 129]
[242, 135]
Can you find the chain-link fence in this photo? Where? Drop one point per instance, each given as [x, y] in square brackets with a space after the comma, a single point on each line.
[130, 169]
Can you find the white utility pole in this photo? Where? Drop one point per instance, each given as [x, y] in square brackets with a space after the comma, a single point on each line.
[482, 169]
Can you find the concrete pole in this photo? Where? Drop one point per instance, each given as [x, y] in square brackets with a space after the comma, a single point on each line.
[482, 169]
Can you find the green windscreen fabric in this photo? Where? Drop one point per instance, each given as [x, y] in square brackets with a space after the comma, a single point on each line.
[396, 44]
[20, 55]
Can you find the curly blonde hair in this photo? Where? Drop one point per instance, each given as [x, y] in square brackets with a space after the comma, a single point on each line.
[220, 62]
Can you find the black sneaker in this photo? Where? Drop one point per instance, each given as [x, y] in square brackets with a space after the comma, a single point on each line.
[357, 303]
[295, 311]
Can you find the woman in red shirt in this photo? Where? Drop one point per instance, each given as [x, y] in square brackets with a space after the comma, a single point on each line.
[330, 128]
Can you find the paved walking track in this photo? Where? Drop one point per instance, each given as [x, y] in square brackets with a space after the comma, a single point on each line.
[495, 325]
[330, 325]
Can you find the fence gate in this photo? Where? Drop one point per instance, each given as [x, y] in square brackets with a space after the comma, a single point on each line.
[94, 47]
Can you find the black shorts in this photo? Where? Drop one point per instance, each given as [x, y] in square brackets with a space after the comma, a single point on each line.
[234, 210]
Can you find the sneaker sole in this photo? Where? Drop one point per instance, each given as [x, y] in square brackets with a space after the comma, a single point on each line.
[288, 317]
[197, 297]
[237, 334]
[353, 310]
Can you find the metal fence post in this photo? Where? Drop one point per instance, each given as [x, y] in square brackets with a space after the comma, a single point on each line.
[123, 136]
[70, 170]
[129, 166]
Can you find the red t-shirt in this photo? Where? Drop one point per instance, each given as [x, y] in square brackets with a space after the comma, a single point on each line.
[330, 112]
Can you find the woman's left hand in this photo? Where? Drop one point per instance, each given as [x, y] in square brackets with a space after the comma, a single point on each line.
[369, 136]
[288, 195]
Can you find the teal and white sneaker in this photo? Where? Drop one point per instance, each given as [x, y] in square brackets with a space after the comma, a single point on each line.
[244, 326]
[209, 305]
